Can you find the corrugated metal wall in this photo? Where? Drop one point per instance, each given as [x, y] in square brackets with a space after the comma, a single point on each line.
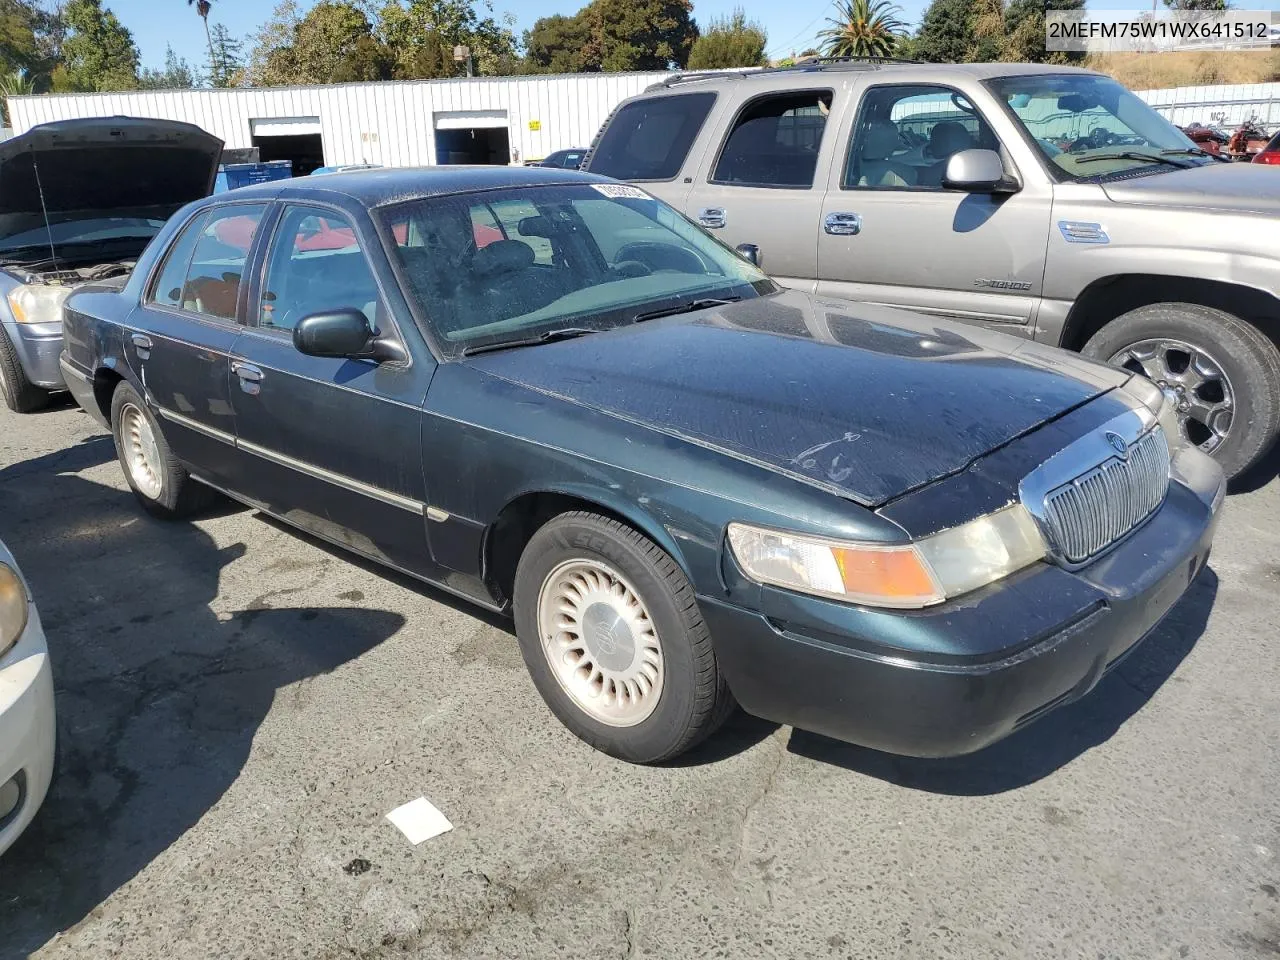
[1226, 104]
[386, 123]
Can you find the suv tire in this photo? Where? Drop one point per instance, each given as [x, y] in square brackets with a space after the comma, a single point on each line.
[20, 394]
[1247, 360]
[595, 598]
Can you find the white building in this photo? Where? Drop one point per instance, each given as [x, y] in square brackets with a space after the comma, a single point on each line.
[411, 123]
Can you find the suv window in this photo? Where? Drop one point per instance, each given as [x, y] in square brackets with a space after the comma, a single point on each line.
[649, 139]
[222, 243]
[315, 264]
[904, 137]
[167, 289]
[775, 141]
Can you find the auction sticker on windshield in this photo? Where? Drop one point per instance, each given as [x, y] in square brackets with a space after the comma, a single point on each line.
[621, 191]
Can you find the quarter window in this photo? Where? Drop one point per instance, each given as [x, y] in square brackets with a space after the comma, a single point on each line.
[904, 137]
[315, 264]
[775, 141]
[649, 139]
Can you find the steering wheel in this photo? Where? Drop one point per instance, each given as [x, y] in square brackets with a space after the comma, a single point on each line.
[628, 269]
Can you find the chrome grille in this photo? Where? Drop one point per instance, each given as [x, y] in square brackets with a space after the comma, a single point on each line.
[1097, 508]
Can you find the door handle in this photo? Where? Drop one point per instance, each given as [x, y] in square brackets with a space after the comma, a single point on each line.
[143, 344]
[842, 224]
[250, 376]
[713, 218]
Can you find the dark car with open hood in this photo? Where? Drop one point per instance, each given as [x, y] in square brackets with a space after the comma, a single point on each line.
[79, 201]
[553, 395]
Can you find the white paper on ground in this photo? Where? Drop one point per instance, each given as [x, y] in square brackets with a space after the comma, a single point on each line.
[419, 820]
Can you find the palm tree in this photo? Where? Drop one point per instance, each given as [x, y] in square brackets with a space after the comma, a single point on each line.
[863, 28]
[19, 83]
[202, 8]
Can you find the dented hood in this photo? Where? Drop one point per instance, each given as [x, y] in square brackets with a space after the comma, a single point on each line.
[864, 401]
[103, 166]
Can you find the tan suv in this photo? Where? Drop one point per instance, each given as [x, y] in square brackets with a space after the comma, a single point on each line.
[1048, 202]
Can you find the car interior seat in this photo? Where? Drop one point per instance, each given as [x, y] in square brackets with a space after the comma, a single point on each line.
[876, 168]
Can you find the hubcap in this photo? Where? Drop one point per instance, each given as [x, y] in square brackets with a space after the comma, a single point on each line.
[141, 454]
[600, 643]
[1193, 380]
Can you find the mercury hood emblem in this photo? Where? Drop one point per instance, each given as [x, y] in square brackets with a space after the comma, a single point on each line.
[1118, 444]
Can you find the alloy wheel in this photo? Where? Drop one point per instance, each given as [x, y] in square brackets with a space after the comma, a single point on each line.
[1192, 379]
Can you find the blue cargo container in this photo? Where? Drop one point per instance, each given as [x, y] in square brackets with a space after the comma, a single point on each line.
[233, 175]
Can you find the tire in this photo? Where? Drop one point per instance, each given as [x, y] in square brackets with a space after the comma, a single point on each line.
[690, 699]
[1249, 361]
[164, 488]
[20, 394]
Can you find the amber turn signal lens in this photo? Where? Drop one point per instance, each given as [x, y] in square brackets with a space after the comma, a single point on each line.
[890, 574]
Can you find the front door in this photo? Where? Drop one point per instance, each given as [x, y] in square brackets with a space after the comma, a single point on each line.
[892, 234]
[763, 188]
[332, 445]
[180, 338]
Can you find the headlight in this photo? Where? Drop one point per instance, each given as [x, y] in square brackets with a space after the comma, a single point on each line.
[916, 574]
[37, 303]
[13, 608]
[1159, 403]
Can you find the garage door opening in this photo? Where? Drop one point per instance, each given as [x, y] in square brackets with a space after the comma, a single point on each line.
[488, 146]
[296, 139]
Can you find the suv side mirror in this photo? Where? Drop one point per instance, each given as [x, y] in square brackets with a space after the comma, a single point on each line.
[334, 333]
[978, 171]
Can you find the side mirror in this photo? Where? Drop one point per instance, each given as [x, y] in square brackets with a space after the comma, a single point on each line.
[977, 171]
[334, 333]
[749, 252]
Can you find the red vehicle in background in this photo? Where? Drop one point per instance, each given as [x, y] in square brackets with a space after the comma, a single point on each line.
[1248, 140]
[1207, 138]
[1270, 153]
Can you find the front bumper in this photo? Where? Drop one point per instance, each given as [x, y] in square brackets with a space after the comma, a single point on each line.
[38, 346]
[952, 679]
[27, 738]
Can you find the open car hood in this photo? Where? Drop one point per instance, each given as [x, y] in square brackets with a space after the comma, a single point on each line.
[98, 167]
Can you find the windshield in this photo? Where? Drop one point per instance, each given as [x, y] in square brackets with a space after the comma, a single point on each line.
[1086, 125]
[512, 264]
[83, 231]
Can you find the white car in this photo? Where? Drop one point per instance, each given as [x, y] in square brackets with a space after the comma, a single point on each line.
[26, 705]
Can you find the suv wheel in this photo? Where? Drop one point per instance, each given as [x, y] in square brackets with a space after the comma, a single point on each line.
[20, 394]
[614, 641]
[1223, 374]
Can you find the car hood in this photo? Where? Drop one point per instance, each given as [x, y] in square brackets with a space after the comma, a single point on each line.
[1232, 187]
[866, 402]
[102, 166]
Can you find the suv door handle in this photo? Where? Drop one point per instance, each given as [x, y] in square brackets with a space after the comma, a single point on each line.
[713, 218]
[250, 376]
[842, 224]
[143, 344]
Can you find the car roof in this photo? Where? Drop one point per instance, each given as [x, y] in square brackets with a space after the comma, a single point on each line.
[378, 186]
[802, 75]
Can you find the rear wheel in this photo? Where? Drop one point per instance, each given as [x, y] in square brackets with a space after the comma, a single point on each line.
[20, 394]
[1222, 374]
[614, 641]
[161, 484]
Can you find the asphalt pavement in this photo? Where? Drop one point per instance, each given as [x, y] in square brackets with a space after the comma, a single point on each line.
[240, 707]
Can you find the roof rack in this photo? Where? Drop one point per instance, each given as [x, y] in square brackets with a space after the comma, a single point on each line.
[809, 65]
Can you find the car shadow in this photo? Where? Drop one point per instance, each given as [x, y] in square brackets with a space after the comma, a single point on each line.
[1053, 741]
[158, 696]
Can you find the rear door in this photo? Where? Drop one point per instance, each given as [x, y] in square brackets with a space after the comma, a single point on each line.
[332, 445]
[179, 340]
[764, 182]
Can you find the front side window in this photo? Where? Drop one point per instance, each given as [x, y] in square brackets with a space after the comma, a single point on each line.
[775, 141]
[211, 286]
[1089, 127]
[612, 254]
[905, 135]
[315, 264]
[649, 139]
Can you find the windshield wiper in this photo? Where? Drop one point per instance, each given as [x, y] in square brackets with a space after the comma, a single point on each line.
[1194, 152]
[564, 333]
[1133, 155]
[689, 306]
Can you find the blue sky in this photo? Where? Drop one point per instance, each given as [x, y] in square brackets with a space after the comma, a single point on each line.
[791, 25]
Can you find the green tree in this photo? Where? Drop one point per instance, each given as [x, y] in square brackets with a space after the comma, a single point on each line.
[29, 40]
[416, 31]
[13, 84]
[269, 61]
[226, 58]
[555, 44]
[98, 53]
[731, 41]
[1192, 5]
[614, 35]
[863, 28]
[948, 33]
[176, 75]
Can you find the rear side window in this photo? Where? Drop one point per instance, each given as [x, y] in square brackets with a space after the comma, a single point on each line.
[168, 286]
[775, 141]
[217, 265]
[649, 139]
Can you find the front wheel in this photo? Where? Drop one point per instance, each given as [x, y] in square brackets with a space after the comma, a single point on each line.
[612, 636]
[20, 394]
[1222, 374]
